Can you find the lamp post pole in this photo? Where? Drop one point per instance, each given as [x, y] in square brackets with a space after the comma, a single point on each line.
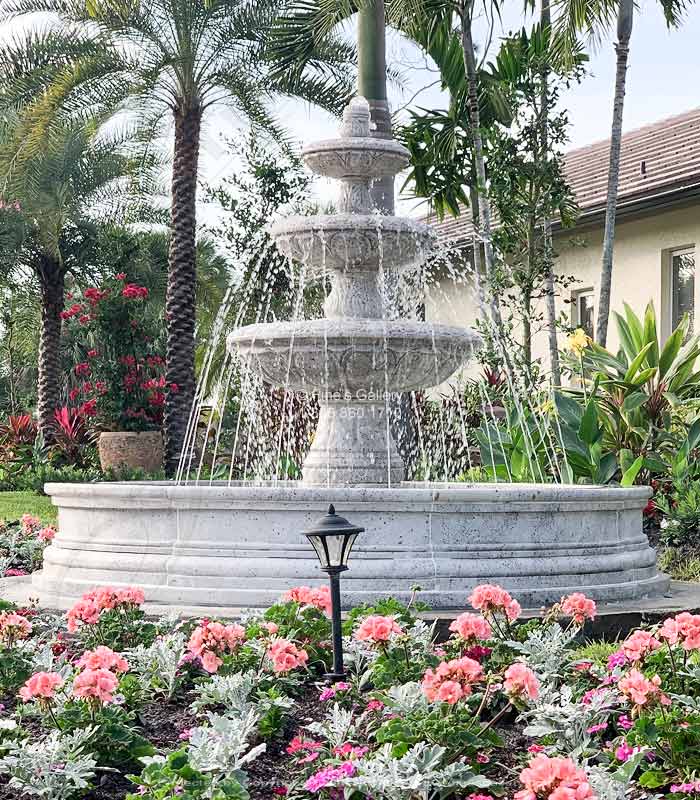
[337, 627]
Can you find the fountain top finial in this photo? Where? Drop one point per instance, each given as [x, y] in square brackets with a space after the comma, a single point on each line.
[356, 119]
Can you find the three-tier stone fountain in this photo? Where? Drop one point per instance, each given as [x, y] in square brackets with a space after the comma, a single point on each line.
[231, 545]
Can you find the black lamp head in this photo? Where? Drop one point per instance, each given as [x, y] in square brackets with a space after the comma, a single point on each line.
[333, 538]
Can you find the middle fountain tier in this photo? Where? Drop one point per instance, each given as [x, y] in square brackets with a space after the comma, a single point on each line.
[356, 358]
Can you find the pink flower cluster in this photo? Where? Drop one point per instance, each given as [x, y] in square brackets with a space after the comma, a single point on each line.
[329, 775]
[685, 788]
[553, 778]
[452, 680]
[471, 627]
[642, 691]
[349, 751]
[578, 607]
[29, 523]
[210, 640]
[310, 596]
[520, 682]
[13, 627]
[639, 645]
[683, 628]
[286, 656]
[92, 604]
[331, 691]
[46, 534]
[306, 750]
[95, 685]
[103, 658]
[490, 599]
[377, 629]
[41, 686]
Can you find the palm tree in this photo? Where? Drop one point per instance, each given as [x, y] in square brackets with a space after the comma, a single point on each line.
[594, 18]
[172, 61]
[60, 189]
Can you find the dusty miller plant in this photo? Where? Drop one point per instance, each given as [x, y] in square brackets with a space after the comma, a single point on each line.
[222, 747]
[547, 651]
[559, 714]
[55, 768]
[404, 698]
[337, 728]
[421, 774]
[231, 691]
[157, 666]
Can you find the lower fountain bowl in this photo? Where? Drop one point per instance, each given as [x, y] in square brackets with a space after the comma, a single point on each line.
[215, 548]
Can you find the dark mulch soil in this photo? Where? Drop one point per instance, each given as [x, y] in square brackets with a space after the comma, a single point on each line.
[272, 768]
[163, 721]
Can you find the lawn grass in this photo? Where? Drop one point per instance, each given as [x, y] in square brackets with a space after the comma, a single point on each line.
[14, 504]
[682, 564]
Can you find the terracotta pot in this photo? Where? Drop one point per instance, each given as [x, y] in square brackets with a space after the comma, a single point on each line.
[143, 450]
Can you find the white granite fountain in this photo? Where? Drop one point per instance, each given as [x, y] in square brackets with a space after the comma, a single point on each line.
[223, 546]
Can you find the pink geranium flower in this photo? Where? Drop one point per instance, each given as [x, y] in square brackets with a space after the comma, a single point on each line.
[29, 523]
[377, 629]
[521, 681]
[317, 597]
[13, 627]
[471, 627]
[642, 691]
[46, 534]
[41, 686]
[96, 685]
[639, 645]
[210, 640]
[286, 656]
[461, 673]
[579, 607]
[553, 778]
[491, 599]
[93, 604]
[684, 628]
[102, 658]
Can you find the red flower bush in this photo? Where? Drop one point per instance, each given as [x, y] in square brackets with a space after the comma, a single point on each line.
[117, 332]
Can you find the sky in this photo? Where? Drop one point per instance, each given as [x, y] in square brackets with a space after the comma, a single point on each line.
[663, 79]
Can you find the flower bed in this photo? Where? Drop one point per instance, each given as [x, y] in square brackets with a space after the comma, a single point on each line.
[22, 545]
[104, 703]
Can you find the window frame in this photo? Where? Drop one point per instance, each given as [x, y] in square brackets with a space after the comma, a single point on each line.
[576, 300]
[670, 293]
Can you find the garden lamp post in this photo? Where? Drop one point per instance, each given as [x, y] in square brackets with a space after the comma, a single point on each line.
[332, 538]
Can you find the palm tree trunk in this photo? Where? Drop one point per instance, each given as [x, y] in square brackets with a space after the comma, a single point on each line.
[180, 308]
[371, 84]
[550, 299]
[625, 18]
[50, 376]
[484, 234]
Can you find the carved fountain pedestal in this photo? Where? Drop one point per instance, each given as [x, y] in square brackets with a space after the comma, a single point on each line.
[213, 548]
[356, 359]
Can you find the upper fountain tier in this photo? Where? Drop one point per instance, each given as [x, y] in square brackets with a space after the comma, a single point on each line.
[353, 242]
[357, 239]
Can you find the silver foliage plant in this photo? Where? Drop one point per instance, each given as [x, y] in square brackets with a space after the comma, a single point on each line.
[406, 698]
[547, 651]
[54, 768]
[231, 691]
[559, 714]
[421, 774]
[157, 666]
[338, 726]
[222, 746]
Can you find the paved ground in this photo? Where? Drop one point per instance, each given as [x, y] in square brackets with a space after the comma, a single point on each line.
[614, 620]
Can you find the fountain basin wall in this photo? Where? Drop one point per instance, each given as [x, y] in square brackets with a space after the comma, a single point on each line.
[219, 546]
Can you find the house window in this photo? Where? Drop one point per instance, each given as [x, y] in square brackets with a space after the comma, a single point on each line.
[584, 311]
[682, 286]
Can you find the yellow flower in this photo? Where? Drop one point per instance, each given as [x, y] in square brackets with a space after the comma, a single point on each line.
[578, 341]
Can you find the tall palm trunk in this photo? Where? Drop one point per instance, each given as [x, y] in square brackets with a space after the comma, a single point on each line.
[180, 309]
[550, 299]
[484, 234]
[625, 17]
[52, 284]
